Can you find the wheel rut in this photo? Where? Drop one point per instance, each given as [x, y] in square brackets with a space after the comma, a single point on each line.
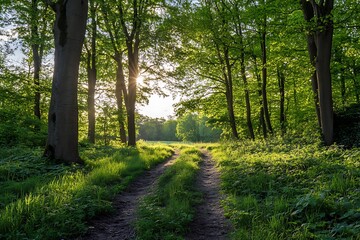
[119, 225]
[209, 222]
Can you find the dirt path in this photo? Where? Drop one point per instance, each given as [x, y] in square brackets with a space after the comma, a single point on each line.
[119, 224]
[209, 221]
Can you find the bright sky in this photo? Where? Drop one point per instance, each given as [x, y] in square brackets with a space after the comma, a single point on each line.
[158, 107]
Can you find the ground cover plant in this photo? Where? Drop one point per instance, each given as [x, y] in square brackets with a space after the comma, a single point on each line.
[290, 190]
[166, 212]
[42, 200]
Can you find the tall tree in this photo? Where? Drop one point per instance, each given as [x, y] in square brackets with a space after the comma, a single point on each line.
[112, 25]
[37, 48]
[125, 24]
[319, 47]
[69, 31]
[92, 71]
[131, 30]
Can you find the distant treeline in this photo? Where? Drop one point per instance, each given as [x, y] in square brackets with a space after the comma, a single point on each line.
[190, 127]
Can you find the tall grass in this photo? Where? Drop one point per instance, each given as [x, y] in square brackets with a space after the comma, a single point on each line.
[285, 190]
[166, 212]
[60, 207]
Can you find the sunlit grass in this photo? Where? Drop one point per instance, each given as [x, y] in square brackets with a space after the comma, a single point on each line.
[280, 190]
[165, 213]
[58, 207]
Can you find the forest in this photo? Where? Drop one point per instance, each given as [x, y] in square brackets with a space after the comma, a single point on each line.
[264, 143]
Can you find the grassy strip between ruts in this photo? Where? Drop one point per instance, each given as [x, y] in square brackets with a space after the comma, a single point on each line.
[277, 190]
[58, 205]
[166, 212]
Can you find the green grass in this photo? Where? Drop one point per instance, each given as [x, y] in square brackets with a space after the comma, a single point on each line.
[288, 190]
[46, 201]
[166, 212]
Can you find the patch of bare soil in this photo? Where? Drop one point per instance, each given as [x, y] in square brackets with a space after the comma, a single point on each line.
[209, 222]
[119, 225]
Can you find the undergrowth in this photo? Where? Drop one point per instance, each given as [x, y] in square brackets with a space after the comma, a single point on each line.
[166, 212]
[47, 201]
[290, 190]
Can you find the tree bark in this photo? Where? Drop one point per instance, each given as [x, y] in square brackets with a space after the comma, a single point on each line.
[324, 42]
[321, 38]
[37, 56]
[69, 32]
[312, 49]
[264, 79]
[356, 84]
[281, 83]
[92, 75]
[132, 46]
[119, 93]
[260, 94]
[229, 92]
[133, 74]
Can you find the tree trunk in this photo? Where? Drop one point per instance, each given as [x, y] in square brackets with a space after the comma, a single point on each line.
[69, 31]
[246, 90]
[133, 74]
[281, 82]
[261, 109]
[229, 93]
[324, 43]
[92, 74]
[356, 85]
[343, 86]
[37, 56]
[264, 79]
[314, 85]
[312, 49]
[321, 39]
[119, 93]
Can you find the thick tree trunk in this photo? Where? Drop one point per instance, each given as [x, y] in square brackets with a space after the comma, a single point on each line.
[319, 46]
[92, 75]
[119, 93]
[312, 49]
[324, 43]
[314, 85]
[69, 31]
[281, 83]
[264, 80]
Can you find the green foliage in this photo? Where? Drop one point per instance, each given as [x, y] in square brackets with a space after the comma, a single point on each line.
[157, 129]
[44, 201]
[165, 213]
[290, 190]
[17, 129]
[193, 128]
